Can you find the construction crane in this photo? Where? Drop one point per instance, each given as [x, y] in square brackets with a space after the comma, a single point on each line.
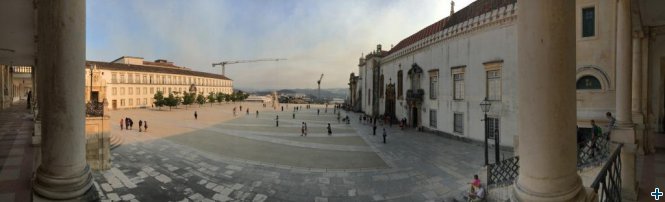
[319, 84]
[224, 63]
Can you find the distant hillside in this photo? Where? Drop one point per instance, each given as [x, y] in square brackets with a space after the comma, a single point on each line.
[325, 93]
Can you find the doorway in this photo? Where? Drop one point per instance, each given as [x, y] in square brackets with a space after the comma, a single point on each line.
[414, 117]
[114, 103]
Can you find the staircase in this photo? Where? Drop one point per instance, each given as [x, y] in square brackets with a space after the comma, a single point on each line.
[116, 141]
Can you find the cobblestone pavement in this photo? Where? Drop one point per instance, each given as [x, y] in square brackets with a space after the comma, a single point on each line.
[220, 157]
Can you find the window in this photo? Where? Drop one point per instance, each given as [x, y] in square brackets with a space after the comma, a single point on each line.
[122, 102]
[588, 83]
[145, 79]
[130, 91]
[145, 90]
[145, 101]
[122, 91]
[400, 83]
[433, 84]
[152, 90]
[131, 102]
[381, 86]
[114, 91]
[138, 101]
[458, 125]
[114, 78]
[458, 83]
[122, 78]
[494, 85]
[492, 127]
[151, 79]
[432, 118]
[130, 78]
[588, 22]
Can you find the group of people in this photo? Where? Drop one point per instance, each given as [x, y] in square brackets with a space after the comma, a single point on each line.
[477, 192]
[128, 124]
[596, 132]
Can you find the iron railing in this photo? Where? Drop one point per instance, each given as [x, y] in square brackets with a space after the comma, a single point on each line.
[503, 172]
[94, 109]
[607, 184]
[593, 152]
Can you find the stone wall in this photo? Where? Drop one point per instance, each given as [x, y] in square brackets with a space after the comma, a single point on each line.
[97, 135]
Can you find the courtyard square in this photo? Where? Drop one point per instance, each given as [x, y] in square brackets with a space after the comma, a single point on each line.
[224, 158]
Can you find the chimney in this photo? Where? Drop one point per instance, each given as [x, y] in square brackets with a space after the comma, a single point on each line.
[452, 7]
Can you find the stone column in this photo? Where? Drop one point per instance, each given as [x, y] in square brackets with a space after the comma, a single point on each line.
[625, 130]
[63, 173]
[637, 75]
[623, 65]
[547, 114]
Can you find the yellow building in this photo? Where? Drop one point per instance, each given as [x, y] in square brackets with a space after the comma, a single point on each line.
[131, 82]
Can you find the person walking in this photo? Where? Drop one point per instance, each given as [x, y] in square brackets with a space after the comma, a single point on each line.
[240, 107]
[294, 115]
[384, 135]
[145, 126]
[121, 124]
[305, 129]
[318, 111]
[29, 95]
[611, 120]
[126, 123]
[196, 115]
[140, 125]
[277, 121]
[257, 113]
[302, 129]
[374, 130]
[247, 113]
[131, 124]
[329, 129]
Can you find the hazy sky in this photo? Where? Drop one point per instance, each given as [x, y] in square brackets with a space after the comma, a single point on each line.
[316, 36]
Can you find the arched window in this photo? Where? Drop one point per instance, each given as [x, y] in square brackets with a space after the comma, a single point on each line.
[588, 83]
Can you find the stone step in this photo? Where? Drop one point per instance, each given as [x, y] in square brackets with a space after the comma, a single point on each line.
[116, 141]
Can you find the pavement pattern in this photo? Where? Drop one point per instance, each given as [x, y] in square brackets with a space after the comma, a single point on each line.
[221, 157]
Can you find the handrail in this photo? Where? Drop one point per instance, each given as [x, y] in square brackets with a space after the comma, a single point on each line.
[610, 178]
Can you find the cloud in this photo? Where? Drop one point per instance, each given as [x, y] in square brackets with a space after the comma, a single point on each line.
[316, 36]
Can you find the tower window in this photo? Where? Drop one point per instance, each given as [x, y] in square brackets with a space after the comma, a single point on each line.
[588, 22]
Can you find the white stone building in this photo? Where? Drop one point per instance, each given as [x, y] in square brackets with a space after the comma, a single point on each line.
[131, 82]
[437, 77]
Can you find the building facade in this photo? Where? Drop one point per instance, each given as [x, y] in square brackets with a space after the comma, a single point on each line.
[131, 82]
[437, 77]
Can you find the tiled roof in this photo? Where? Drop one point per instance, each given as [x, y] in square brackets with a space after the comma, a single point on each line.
[474, 9]
[152, 69]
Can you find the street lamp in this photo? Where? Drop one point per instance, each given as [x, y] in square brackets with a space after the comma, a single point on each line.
[485, 106]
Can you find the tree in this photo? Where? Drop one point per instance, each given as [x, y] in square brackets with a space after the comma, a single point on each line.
[212, 98]
[200, 99]
[188, 98]
[220, 97]
[159, 99]
[171, 101]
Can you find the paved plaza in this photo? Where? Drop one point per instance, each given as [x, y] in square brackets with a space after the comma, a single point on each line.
[225, 158]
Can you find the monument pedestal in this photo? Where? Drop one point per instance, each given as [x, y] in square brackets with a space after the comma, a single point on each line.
[98, 136]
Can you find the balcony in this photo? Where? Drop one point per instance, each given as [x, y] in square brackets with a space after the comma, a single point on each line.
[416, 95]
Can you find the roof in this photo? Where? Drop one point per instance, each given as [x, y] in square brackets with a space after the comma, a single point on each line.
[474, 9]
[152, 69]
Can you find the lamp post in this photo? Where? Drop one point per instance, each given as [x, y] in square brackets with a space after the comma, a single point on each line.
[485, 107]
[92, 67]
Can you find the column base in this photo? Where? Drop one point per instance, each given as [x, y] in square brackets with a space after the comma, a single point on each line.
[577, 193]
[90, 195]
[62, 188]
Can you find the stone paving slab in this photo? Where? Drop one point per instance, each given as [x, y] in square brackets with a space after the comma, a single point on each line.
[420, 166]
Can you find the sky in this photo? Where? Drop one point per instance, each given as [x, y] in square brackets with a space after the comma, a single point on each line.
[315, 36]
